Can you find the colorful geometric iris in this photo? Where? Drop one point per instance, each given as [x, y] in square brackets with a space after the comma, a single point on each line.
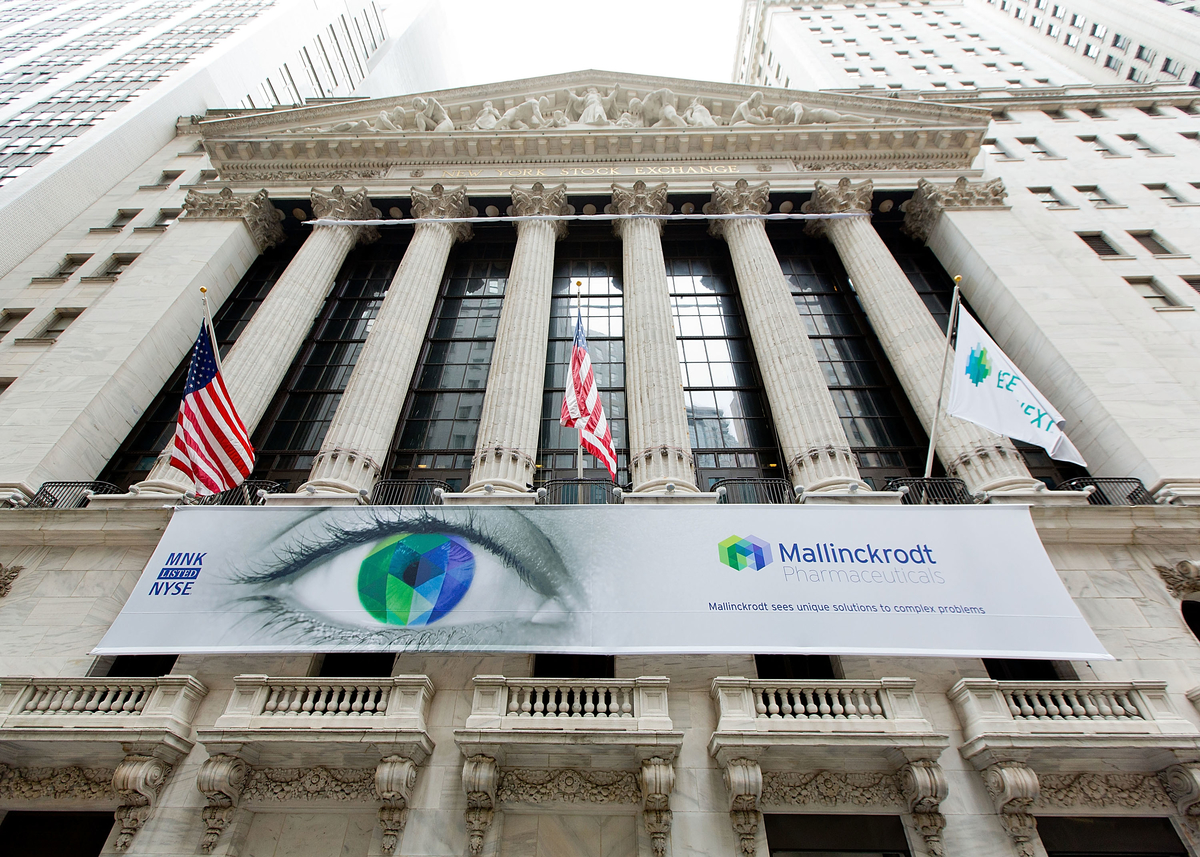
[750, 552]
[978, 365]
[415, 578]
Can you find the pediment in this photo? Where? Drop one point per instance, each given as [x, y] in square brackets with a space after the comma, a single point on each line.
[588, 113]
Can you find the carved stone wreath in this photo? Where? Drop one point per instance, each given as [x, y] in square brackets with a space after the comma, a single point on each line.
[530, 785]
[69, 783]
[8, 576]
[1127, 791]
[831, 788]
[1183, 578]
[316, 783]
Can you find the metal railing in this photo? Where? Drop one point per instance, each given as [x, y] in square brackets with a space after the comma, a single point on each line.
[70, 495]
[408, 492]
[748, 489]
[573, 492]
[252, 492]
[1111, 491]
[935, 491]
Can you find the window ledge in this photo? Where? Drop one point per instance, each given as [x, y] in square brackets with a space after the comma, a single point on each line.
[1110, 205]
[1062, 208]
[191, 154]
[113, 279]
[1172, 255]
[48, 281]
[1008, 160]
[1121, 258]
[33, 340]
[143, 230]
[1184, 204]
[1159, 155]
[105, 230]
[1051, 158]
[1116, 156]
[154, 187]
[1063, 119]
[1174, 309]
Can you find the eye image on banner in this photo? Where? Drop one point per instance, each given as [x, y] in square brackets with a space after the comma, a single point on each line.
[945, 581]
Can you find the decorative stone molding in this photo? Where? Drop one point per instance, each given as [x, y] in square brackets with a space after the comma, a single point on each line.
[827, 199]
[394, 781]
[479, 779]
[740, 198]
[1182, 784]
[331, 174]
[314, 783]
[68, 783]
[8, 576]
[831, 788]
[1182, 579]
[137, 782]
[1129, 791]
[220, 779]
[1014, 789]
[570, 785]
[260, 216]
[658, 780]
[922, 211]
[538, 200]
[744, 781]
[441, 203]
[924, 786]
[340, 205]
[639, 199]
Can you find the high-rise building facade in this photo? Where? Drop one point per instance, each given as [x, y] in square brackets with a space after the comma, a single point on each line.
[416, 630]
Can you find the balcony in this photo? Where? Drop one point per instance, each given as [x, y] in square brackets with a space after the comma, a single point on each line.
[1073, 726]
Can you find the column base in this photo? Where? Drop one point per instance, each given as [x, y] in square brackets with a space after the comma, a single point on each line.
[1011, 484]
[317, 498]
[660, 486]
[1177, 492]
[1040, 496]
[853, 498]
[483, 499]
[695, 498]
[499, 486]
[106, 502]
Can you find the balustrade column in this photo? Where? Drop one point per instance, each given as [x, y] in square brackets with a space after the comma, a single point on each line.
[810, 432]
[914, 343]
[512, 405]
[259, 360]
[358, 438]
[660, 451]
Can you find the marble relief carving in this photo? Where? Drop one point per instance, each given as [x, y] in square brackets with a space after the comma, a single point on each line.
[261, 217]
[8, 576]
[831, 788]
[1131, 791]
[479, 779]
[66, 783]
[532, 785]
[220, 779]
[1182, 784]
[924, 787]
[137, 782]
[658, 781]
[1014, 789]
[394, 781]
[744, 782]
[1182, 578]
[314, 783]
[302, 175]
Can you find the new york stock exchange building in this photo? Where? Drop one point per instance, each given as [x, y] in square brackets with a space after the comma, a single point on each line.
[426, 626]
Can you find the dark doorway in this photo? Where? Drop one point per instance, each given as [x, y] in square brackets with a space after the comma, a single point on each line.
[356, 665]
[573, 666]
[795, 667]
[1111, 837]
[54, 834]
[834, 835]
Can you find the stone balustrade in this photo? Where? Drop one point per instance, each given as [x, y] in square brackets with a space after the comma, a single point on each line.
[522, 703]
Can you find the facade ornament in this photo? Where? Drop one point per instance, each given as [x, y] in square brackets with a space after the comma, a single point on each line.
[744, 781]
[922, 211]
[8, 576]
[1182, 579]
[441, 203]
[698, 116]
[315, 783]
[827, 199]
[260, 216]
[431, 116]
[1128, 791]
[236, 173]
[592, 108]
[530, 113]
[639, 199]
[137, 782]
[658, 781]
[340, 205]
[1182, 783]
[1014, 789]
[532, 785]
[660, 110]
[799, 114]
[220, 779]
[394, 781]
[479, 778]
[924, 786]
[831, 788]
[740, 198]
[48, 784]
[384, 121]
[487, 118]
[540, 201]
[751, 112]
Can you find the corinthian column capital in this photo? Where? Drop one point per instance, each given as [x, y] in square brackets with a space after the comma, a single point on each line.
[440, 203]
[261, 217]
[740, 198]
[827, 199]
[339, 204]
[639, 199]
[927, 204]
[538, 200]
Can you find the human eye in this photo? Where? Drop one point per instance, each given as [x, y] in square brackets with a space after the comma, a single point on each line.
[416, 579]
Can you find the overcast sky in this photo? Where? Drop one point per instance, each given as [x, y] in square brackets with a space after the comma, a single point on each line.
[495, 40]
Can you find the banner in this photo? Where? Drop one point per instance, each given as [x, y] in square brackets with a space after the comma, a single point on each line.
[951, 581]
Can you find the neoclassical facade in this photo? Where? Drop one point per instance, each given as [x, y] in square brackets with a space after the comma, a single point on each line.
[765, 284]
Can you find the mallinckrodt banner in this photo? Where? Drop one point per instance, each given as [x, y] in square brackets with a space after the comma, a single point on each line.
[899, 580]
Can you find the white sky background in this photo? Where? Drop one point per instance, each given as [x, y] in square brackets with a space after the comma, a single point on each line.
[496, 40]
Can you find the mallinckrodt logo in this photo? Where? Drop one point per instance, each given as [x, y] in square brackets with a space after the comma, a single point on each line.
[749, 552]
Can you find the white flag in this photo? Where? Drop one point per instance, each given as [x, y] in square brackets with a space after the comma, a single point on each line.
[987, 389]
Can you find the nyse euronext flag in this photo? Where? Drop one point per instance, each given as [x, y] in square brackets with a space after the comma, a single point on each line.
[987, 389]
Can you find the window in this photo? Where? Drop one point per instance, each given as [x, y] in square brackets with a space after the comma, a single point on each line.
[1078, 21]
[1052, 30]
[118, 263]
[795, 667]
[1153, 242]
[1024, 669]
[1058, 11]
[124, 217]
[1165, 193]
[795, 835]
[1001, 116]
[1047, 197]
[1098, 31]
[1093, 112]
[71, 263]
[10, 318]
[1091, 50]
[1194, 282]
[1101, 837]
[1150, 290]
[574, 666]
[1138, 143]
[1071, 40]
[1098, 144]
[133, 666]
[59, 321]
[1034, 146]
[1095, 196]
[167, 216]
[1172, 67]
[1112, 63]
[356, 664]
[1099, 243]
[1056, 114]
[1144, 53]
[1120, 42]
[206, 176]
[167, 178]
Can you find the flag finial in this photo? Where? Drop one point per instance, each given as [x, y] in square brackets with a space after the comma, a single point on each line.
[957, 279]
[203, 290]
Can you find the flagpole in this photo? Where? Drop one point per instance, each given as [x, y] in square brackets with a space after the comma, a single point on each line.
[954, 301]
[212, 331]
[579, 423]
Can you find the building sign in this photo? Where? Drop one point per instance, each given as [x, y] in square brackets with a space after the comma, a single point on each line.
[901, 580]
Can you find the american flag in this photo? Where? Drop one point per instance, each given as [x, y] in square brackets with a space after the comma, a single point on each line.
[211, 445]
[581, 403]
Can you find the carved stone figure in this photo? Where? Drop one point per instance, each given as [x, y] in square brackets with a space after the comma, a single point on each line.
[751, 112]
[559, 119]
[592, 107]
[659, 110]
[431, 116]
[487, 118]
[527, 114]
[698, 116]
[393, 121]
[798, 114]
[356, 126]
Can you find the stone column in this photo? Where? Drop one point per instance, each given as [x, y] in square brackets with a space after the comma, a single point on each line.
[259, 360]
[361, 432]
[810, 432]
[914, 343]
[512, 405]
[660, 452]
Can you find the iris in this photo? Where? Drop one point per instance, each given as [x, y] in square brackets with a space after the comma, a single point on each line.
[413, 579]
